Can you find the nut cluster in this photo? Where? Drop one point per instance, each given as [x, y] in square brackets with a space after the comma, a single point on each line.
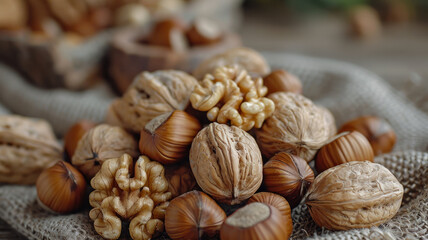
[230, 94]
[127, 191]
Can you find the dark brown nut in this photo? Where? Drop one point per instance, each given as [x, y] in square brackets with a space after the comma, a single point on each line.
[288, 175]
[346, 147]
[169, 33]
[378, 131]
[193, 216]
[282, 81]
[203, 32]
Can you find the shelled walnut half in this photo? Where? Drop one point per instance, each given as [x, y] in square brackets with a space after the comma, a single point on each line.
[135, 193]
[151, 95]
[230, 94]
[27, 146]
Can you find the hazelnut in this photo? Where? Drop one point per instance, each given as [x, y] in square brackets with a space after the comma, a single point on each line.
[380, 134]
[226, 162]
[61, 188]
[346, 147]
[297, 126]
[255, 221]
[167, 138]
[282, 81]
[365, 22]
[74, 134]
[276, 201]
[193, 215]
[13, 14]
[288, 175]
[203, 32]
[354, 195]
[168, 33]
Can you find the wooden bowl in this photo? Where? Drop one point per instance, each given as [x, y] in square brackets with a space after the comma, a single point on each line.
[129, 55]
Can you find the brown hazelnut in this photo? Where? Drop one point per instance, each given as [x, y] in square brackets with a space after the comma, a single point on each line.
[365, 22]
[167, 138]
[282, 81]
[193, 215]
[378, 131]
[203, 32]
[288, 175]
[226, 162]
[168, 33]
[61, 188]
[345, 147]
[255, 221]
[277, 201]
[74, 134]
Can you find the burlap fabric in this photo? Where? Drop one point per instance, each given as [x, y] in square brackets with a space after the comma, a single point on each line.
[346, 90]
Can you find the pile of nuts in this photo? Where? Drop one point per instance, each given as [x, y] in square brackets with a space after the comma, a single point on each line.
[255, 153]
[80, 18]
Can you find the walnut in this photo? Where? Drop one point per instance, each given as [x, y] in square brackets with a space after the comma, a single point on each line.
[180, 179]
[27, 146]
[99, 144]
[226, 162]
[297, 126]
[230, 94]
[354, 195]
[124, 192]
[151, 95]
[243, 58]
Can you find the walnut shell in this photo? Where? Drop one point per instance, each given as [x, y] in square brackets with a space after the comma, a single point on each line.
[354, 195]
[136, 192]
[151, 95]
[99, 144]
[27, 146]
[297, 126]
[244, 58]
[226, 162]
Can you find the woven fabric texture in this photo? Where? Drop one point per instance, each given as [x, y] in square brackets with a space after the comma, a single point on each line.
[348, 91]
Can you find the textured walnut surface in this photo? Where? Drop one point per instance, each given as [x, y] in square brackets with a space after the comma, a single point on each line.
[297, 126]
[150, 95]
[243, 58]
[226, 162]
[127, 192]
[354, 195]
[99, 144]
[27, 146]
[231, 95]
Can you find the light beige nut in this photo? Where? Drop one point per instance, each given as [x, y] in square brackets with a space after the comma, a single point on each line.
[226, 162]
[68, 12]
[297, 126]
[243, 58]
[99, 144]
[354, 195]
[151, 95]
[141, 199]
[27, 146]
[231, 95]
